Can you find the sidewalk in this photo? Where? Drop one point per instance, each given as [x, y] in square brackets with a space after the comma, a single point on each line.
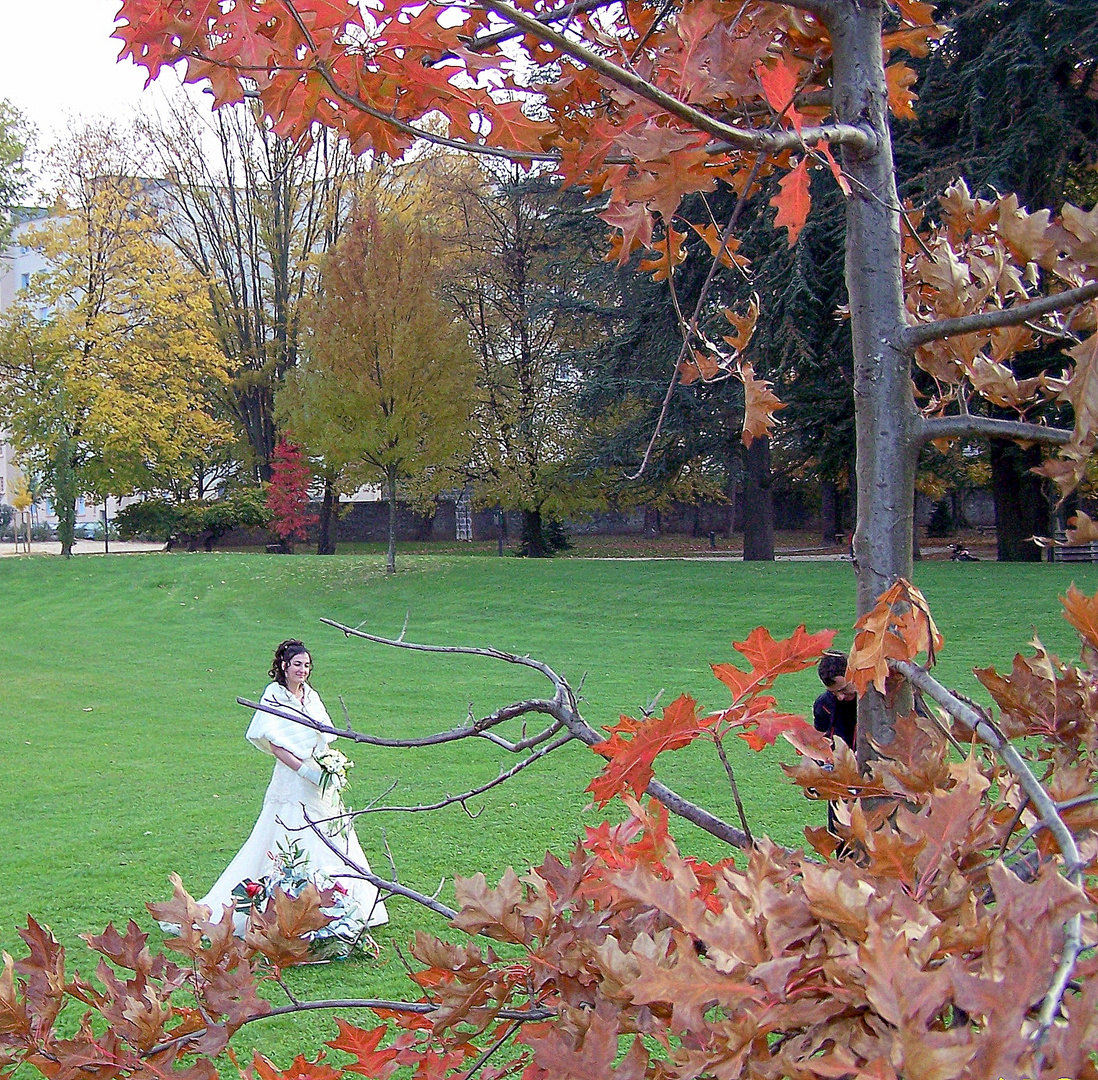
[81, 547]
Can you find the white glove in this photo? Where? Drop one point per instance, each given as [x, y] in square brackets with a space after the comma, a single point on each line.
[307, 770]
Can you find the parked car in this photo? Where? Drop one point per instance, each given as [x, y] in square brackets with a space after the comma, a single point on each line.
[87, 530]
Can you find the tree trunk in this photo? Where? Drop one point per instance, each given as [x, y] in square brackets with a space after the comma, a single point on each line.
[534, 545]
[829, 514]
[64, 491]
[390, 555]
[329, 513]
[888, 429]
[758, 503]
[1021, 509]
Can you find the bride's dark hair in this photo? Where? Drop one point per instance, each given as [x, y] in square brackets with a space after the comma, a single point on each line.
[290, 648]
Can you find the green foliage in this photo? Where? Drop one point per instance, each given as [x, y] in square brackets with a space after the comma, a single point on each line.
[941, 521]
[383, 394]
[525, 290]
[1008, 100]
[16, 136]
[109, 393]
[199, 518]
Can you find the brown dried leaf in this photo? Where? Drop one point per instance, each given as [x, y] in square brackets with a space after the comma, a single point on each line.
[744, 324]
[760, 404]
[182, 911]
[280, 930]
[495, 912]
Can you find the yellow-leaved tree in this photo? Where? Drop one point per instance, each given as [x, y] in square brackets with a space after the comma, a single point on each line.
[383, 393]
[109, 365]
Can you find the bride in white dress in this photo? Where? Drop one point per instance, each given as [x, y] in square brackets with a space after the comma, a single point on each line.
[293, 794]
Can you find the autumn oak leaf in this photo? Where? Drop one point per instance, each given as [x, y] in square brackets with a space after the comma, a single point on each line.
[363, 1045]
[760, 405]
[634, 745]
[793, 200]
[769, 659]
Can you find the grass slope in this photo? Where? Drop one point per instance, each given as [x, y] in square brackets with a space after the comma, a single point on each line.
[123, 742]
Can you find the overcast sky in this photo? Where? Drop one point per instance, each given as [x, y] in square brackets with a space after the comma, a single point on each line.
[60, 60]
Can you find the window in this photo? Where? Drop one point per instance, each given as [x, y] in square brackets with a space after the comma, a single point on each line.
[24, 281]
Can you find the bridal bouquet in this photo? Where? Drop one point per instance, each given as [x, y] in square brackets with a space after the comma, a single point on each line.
[333, 769]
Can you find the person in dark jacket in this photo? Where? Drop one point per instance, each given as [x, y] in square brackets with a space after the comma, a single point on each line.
[835, 711]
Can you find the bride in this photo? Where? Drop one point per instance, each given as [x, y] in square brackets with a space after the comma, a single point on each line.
[283, 849]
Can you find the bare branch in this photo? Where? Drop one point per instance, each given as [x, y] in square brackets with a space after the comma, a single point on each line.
[483, 1058]
[524, 743]
[522, 1016]
[561, 14]
[770, 142]
[564, 708]
[461, 799]
[394, 888]
[914, 336]
[1044, 805]
[949, 427]
[741, 202]
[475, 729]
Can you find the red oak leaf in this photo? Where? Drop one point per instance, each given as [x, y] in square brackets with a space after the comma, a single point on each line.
[370, 1061]
[634, 744]
[793, 200]
[769, 659]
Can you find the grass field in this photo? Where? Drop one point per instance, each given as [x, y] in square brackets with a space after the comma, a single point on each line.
[123, 747]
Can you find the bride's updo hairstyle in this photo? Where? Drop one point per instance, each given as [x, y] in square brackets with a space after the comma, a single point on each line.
[283, 655]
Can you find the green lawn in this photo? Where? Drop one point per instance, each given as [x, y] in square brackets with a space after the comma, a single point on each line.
[123, 743]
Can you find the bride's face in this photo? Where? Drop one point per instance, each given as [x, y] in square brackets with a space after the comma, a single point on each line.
[297, 668]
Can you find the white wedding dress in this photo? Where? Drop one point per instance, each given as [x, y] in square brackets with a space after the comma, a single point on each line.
[282, 820]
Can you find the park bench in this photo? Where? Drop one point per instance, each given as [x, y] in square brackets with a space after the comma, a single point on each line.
[1076, 553]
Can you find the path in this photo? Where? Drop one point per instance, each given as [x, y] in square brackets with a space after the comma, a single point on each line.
[81, 547]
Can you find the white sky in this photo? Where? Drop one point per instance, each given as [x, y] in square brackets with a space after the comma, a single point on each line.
[60, 61]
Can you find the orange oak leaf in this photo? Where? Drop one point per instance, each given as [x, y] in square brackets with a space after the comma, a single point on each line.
[494, 912]
[769, 659]
[744, 324]
[700, 365]
[793, 200]
[635, 222]
[901, 99]
[724, 251]
[899, 627]
[760, 405]
[1082, 612]
[363, 1045]
[300, 1069]
[670, 252]
[634, 744]
[779, 85]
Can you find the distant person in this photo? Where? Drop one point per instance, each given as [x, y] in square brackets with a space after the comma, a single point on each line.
[297, 791]
[835, 711]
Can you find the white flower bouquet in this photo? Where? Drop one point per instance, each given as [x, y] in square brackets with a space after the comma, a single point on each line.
[334, 767]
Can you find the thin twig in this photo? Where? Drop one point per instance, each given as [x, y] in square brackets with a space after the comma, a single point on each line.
[461, 799]
[735, 788]
[483, 1058]
[741, 201]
